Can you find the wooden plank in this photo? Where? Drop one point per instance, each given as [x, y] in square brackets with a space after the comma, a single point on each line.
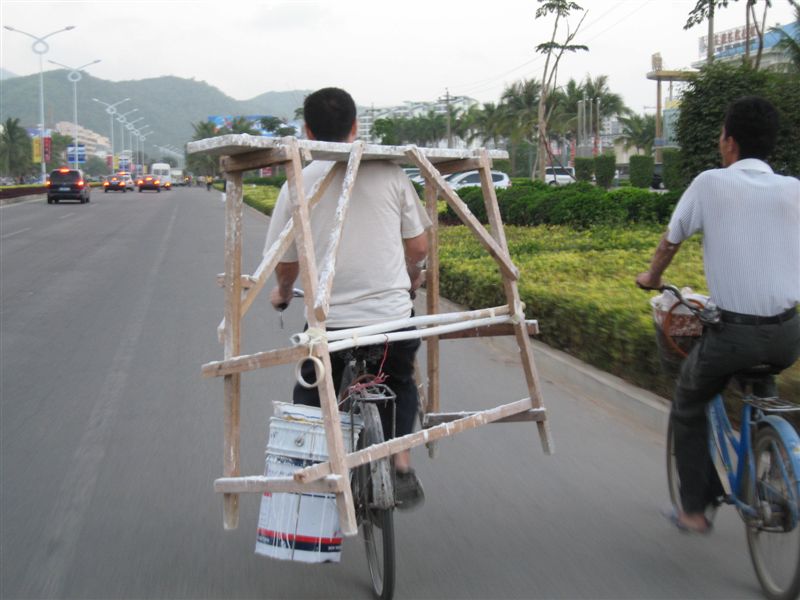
[246, 283]
[327, 395]
[390, 447]
[499, 254]
[432, 301]
[256, 159]
[514, 302]
[251, 362]
[322, 301]
[277, 485]
[456, 166]
[235, 144]
[490, 331]
[534, 414]
[232, 341]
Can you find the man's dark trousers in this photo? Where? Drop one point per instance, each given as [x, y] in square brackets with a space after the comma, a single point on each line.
[705, 372]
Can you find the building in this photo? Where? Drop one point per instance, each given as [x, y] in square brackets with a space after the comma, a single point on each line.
[96, 144]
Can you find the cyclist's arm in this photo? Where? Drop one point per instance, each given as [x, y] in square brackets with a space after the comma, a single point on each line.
[285, 274]
[416, 249]
[665, 252]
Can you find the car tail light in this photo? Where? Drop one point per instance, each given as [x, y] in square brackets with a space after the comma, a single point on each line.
[47, 183]
[105, 184]
[140, 182]
[81, 183]
[156, 181]
[63, 170]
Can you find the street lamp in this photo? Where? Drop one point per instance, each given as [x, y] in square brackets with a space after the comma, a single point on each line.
[75, 76]
[143, 133]
[130, 127]
[40, 47]
[122, 121]
[111, 109]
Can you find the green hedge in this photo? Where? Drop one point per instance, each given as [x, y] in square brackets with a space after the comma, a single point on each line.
[641, 171]
[584, 167]
[673, 173]
[579, 285]
[604, 167]
[579, 205]
[275, 180]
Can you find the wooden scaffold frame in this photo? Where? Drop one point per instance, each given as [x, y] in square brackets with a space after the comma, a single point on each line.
[239, 153]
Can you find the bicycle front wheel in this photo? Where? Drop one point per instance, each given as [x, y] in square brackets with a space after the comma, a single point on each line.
[377, 522]
[673, 481]
[774, 536]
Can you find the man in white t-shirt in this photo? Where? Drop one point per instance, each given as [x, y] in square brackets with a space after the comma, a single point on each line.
[750, 220]
[379, 263]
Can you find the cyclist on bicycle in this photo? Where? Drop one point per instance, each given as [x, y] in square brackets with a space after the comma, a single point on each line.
[379, 262]
[750, 220]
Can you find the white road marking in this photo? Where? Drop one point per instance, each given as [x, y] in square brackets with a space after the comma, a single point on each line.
[8, 235]
[66, 216]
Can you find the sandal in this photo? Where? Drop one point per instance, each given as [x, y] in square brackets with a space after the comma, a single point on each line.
[673, 517]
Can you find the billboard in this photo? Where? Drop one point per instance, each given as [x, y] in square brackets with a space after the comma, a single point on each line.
[81, 158]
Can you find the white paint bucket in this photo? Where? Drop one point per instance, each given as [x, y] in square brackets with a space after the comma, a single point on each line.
[300, 527]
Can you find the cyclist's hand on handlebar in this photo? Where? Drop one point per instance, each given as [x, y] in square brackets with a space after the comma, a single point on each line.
[646, 281]
[279, 300]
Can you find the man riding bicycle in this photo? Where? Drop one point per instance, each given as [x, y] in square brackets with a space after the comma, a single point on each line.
[379, 263]
[750, 220]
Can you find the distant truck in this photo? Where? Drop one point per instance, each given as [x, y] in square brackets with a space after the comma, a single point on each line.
[164, 173]
[177, 177]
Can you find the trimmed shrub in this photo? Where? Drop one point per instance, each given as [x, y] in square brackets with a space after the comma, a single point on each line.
[584, 167]
[276, 180]
[604, 167]
[673, 175]
[641, 171]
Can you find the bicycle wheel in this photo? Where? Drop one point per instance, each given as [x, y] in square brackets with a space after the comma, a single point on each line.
[774, 537]
[673, 481]
[377, 523]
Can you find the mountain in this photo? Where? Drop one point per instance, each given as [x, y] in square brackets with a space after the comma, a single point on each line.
[6, 74]
[168, 104]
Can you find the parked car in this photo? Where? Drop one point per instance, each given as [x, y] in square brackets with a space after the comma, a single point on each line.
[559, 175]
[473, 178]
[658, 175]
[67, 184]
[149, 182]
[114, 183]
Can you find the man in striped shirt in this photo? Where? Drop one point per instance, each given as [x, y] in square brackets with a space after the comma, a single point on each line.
[750, 221]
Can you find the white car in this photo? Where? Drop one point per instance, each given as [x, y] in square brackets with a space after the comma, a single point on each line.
[559, 175]
[473, 178]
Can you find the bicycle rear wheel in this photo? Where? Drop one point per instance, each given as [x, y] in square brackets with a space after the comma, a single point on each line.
[377, 522]
[774, 537]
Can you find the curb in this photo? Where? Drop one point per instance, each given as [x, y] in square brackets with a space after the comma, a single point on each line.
[21, 199]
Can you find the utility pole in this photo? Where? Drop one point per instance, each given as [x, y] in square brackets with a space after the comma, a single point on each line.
[710, 45]
[447, 106]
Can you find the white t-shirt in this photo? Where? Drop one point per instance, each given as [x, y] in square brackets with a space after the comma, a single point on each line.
[371, 284]
[750, 219]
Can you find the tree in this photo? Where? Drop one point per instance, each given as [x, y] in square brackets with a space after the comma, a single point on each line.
[58, 150]
[95, 166]
[553, 52]
[638, 131]
[790, 45]
[243, 125]
[203, 164]
[16, 152]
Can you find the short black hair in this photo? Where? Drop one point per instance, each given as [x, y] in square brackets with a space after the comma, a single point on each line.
[753, 122]
[329, 113]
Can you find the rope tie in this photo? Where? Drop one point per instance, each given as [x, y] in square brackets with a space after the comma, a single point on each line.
[315, 336]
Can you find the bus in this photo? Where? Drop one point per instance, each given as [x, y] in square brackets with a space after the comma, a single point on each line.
[163, 172]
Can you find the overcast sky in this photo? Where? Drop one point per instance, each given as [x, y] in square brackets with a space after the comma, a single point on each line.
[383, 52]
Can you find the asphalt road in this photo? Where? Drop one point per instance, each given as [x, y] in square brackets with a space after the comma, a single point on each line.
[111, 441]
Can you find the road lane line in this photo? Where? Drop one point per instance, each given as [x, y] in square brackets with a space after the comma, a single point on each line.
[8, 235]
[47, 572]
[66, 216]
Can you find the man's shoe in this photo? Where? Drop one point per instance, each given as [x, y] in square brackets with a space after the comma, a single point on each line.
[408, 492]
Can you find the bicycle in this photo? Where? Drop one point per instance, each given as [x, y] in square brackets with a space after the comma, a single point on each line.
[361, 393]
[373, 483]
[762, 465]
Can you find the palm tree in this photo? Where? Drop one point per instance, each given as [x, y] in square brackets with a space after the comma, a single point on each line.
[519, 118]
[243, 125]
[204, 164]
[638, 131]
[205, 129]
[790, 45]
[15, 149]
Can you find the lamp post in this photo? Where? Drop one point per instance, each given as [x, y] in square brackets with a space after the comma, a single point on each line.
[130, 127]
[122, 120]
[142, 139]
[75, 76]
[111, 109]
[40, 47]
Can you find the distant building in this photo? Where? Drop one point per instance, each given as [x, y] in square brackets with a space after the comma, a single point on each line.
[96, 144]
[730, 45]
[408, 110]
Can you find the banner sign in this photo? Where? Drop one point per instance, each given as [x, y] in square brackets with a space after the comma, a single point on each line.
[48, 147]
[81, 158]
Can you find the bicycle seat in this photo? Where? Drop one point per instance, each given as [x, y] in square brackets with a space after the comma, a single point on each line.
[760, 379]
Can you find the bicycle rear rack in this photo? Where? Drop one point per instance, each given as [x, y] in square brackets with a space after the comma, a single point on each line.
[772, 404]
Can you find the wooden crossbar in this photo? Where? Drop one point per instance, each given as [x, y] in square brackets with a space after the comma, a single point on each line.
[406, 442]
[277, 485]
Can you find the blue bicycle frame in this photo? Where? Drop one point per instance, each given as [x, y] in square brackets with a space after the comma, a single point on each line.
[722, 435]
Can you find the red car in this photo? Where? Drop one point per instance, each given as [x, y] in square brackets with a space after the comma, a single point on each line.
[149, 182]
[115, 183]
